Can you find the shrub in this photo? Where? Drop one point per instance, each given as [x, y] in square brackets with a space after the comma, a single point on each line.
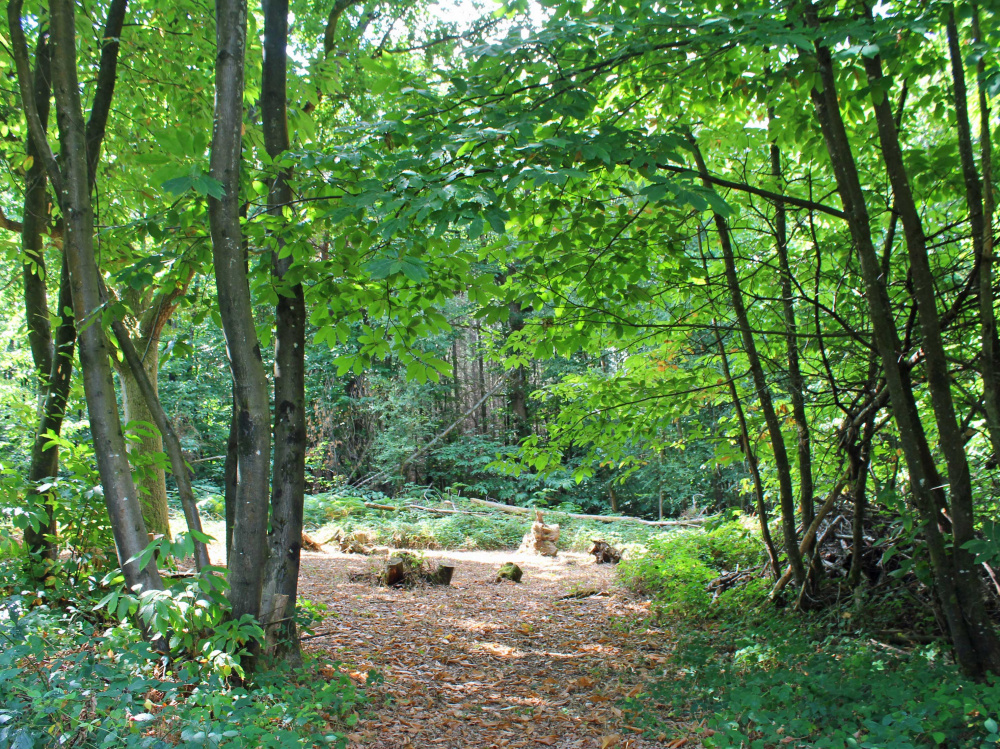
[676, 566]
[777, 685]
[65, 681]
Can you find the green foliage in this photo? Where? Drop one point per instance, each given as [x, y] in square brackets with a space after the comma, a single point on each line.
[782, 685]
[676, 567]
[75, 498]
[66, 677]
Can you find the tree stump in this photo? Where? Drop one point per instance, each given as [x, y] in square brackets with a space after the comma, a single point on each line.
[395, 571]
[441, 575]
[510, 571]
[605, 553]
[308, 544]
[541, 539]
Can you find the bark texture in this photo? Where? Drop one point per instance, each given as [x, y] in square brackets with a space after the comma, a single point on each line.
[252, 407]
[73, 183]
[288, 483]
[971, 634]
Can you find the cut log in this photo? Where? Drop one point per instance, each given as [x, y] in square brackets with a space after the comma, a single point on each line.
[692, 523]
[510, 571]
[395, 571]
[442, 575]
[309, 544]
[605, 553]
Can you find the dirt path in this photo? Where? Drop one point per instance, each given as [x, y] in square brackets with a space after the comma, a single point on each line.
[481, 664]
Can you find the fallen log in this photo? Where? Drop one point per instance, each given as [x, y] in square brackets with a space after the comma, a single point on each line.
[693, 523]
[377, 506]
[510, 571]
[585, 593]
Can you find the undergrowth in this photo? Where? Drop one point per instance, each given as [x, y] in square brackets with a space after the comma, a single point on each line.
[479, 528]
[746, 674]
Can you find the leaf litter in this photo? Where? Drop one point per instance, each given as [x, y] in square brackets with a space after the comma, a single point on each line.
[487, 664]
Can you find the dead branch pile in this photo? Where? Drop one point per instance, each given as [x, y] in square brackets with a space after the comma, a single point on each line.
[541, 539]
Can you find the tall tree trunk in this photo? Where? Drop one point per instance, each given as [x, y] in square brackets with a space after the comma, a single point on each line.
[150, 400]
[40, 544]
[252, 404]
[991, 344]
[980, 207]
[146, 442]
[288, 485]
[951, 442]
[975, 647]
[35, 219]
[44, 454]
[758, 485]
[73, 184]
[796, 386]
[781, 464]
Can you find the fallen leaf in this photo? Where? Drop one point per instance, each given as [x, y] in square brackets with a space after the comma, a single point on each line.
[609, 741]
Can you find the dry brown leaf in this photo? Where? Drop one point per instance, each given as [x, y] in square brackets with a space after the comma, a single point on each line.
[547, 740]
[611, 740]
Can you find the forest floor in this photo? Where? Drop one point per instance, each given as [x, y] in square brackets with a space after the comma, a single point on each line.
[487, 664]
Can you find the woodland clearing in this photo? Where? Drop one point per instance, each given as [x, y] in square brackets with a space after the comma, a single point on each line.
[486, 664]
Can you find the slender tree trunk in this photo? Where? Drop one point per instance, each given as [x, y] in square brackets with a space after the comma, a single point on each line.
[980, 207]
[288, 486]
[146, 386]
[35, 219]
[252, 407]
[482, 379]
[975, 645]
[44, 455]
[146, 442]
[73, 184]
[758, 485]
[796, 385]
[781, 464]
[951, 443]
[231, 479]
[41, 543]
[860, 457]
[518, 392]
